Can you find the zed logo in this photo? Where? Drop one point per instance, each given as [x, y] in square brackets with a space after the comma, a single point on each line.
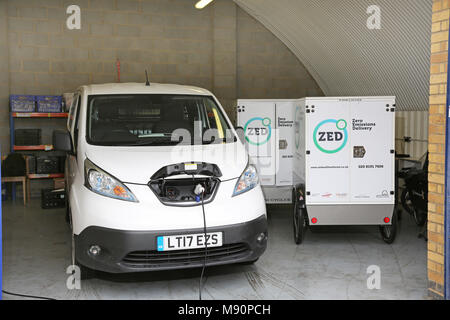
[330, 136]
[258, 131]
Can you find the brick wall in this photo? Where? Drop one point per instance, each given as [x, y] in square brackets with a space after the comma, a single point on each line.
[219, 48]
[437, 123]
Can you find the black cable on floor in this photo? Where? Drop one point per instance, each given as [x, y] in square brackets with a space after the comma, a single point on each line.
[200, 286]
[27, 296]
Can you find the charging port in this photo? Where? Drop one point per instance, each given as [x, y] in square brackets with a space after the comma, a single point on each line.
[174, 191]
[181, 191]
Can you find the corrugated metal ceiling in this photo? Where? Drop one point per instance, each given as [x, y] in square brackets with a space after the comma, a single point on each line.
[331, 38]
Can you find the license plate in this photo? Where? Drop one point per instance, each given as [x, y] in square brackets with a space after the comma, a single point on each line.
[189, 241]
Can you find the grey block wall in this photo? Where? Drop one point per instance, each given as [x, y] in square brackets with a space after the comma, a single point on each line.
[4, 78]
[220, 48]
[266, 68]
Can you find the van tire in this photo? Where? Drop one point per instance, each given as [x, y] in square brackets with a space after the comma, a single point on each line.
[248, 263]
[67, 215]
[85, 272]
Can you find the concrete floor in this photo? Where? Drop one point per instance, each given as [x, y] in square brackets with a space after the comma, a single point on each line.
[331, 264]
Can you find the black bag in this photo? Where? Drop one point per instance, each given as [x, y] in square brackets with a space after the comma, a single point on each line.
[14, 165]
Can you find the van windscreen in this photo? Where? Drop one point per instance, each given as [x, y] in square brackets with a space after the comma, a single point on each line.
[155, 120]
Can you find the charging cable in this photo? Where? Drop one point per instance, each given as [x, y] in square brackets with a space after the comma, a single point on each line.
[26, 295]
[200, 192]
[42, 297]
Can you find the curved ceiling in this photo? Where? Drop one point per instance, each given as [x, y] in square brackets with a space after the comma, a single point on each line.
[345, 57]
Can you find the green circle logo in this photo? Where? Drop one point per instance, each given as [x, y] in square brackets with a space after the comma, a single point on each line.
[258, 127]
[324, 138]
[341, 124]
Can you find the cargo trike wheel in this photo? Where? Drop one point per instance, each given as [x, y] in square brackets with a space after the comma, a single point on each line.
[406, 202]
[420, 217]
[389, 232]
[300, 223]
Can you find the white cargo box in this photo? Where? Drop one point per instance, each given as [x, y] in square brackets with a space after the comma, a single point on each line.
[340, 149]
[344, 155]
[269, 132]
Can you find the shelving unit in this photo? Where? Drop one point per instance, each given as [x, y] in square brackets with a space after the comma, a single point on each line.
[44, 147]
[39, 115]
[45, 175]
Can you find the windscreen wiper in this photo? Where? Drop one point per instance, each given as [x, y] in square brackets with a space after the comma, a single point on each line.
[153, 141]
[218, 140]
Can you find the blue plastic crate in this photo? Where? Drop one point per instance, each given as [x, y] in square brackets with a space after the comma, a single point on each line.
[22, 103]
[49, 103]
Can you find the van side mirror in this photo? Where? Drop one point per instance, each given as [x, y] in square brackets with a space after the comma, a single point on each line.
[241, 134]
[62, 140]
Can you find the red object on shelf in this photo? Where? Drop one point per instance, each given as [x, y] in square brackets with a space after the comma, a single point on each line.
[40, 114]
[44, 147]
[45, 175]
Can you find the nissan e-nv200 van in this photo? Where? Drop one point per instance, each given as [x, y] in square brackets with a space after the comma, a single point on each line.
[157, 178]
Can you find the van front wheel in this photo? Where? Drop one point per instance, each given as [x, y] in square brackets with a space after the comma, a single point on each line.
[67, 215]
[85, 272]
[249, 263]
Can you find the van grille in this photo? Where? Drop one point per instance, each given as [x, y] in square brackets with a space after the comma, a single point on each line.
[148, 259]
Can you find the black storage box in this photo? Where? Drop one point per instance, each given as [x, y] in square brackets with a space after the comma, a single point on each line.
[27, 137]
[53, 198]
[46, 164]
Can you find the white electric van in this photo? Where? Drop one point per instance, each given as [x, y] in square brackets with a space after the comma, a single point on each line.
[157, 178]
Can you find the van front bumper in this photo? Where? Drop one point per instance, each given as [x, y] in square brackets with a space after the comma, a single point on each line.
[136, 251]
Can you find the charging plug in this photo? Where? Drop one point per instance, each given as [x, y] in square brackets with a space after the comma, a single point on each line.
[199, 189]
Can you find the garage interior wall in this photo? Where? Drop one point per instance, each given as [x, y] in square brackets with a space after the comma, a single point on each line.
[220, 48]
[4, 78]
[437, 128]
[412, 124]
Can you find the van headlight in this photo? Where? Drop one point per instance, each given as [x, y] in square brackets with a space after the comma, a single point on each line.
[98, 181]
[247, 181]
